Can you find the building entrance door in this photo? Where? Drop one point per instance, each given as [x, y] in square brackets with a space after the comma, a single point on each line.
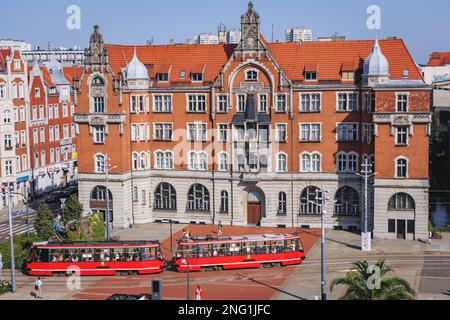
[401, 229]
[254, 213]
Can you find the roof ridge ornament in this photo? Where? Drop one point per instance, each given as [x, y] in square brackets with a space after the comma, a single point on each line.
[250, 28]
[376, 66]
[96, 54]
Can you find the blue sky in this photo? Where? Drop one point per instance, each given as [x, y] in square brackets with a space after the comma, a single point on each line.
[423, 24]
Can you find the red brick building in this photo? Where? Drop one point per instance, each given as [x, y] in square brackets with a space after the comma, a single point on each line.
[37, 130]
[246, 134]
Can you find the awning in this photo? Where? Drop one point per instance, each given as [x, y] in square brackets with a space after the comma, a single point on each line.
[23, 179]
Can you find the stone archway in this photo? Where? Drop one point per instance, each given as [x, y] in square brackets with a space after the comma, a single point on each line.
[97, 202]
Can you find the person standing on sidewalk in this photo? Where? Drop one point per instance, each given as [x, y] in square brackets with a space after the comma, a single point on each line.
[199, 293]
[219, 231]
[38, 288]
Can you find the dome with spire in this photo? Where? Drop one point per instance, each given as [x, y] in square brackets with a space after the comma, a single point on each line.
[136, 69]
[376, 64]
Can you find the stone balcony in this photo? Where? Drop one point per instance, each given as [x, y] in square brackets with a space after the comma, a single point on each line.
[100, 119]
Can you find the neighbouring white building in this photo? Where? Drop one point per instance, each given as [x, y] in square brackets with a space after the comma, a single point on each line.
[299, 35]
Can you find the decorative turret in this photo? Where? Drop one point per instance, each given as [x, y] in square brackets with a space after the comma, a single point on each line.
[136, 69]
[376, 67]
[96, 54]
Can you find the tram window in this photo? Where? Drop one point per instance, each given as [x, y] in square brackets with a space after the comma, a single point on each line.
[102, 255]
[133, 254]
[248, 247]
[56, 255]
[204, 250]
[277, 246]
[87, 255]
[189, 251]
[72, 255]
[118, 254]
[148, 254]
[234, 249]
[263, 247]
[291, 245]
[41, 255]
[299, 245]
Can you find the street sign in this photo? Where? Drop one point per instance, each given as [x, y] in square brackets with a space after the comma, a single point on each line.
[156, 289]
[366, 241]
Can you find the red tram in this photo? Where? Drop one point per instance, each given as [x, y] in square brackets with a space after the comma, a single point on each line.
[95, 258]
[207, 253]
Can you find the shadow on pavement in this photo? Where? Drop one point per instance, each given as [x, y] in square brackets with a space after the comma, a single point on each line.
[242, 276]
[332, 240]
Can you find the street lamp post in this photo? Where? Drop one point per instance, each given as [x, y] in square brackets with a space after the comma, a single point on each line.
[366, 173]
[11, 242]
[170, 221]
[107, 213]
[28, 216]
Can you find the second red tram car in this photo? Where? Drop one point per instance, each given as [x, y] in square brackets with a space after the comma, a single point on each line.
[207, 253]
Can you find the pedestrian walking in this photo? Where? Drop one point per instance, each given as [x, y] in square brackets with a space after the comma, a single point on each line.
[199, 293]
[38, 288]
[219, 231]
[430, 236]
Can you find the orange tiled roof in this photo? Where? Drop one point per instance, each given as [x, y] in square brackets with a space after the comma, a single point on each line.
[45, 74]
[4, 53]
[329, 58]
[179, 57]
[71, 72]
[438, 59]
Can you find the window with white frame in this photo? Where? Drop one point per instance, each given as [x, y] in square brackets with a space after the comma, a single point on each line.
[73, 131]
[138, 104]
[35, 136]
[21, 91]
[281, 133]
[310, 75]
[310, 102]
[163, 160]
[347, 132]
[134, 128]
[401, 167]
[223, 132]
[224, 201]
[262, 103]
[43, 159]
[281, 102]
[281, 162]
[65, 110]
[162, 77]
[36, 160]
[99, 134]
[310, 162]
[402, 102]
[347, 101]
[369, 101]
[368, 133]
[9, 168]
[22, 114]
[50, 111]
[196, 103]
[6, 116]
[251, 75]
[42, 135]
[142, 132]
[16, 141]
[197, 77]
[24, 162]
[162, 103]
[222, 103]
[100, 163]
[41, 112]
[282, 204]
[401, 135]
[56, 111]
[16, 115]
[347, 162]
[66, 134]
[197, 132]
[14, 91]
[58, 155]
[52, 156]
[16, 65]
[8, 141]
[310, 132]
[163, 131]
[23, 138]
[223, 161]
[197, 161]
[57, 137]
[241, 102]
[143, 161]
[99, 105]
[135, 161]
[34, 113]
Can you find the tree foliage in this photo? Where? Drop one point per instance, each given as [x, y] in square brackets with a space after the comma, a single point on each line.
[22, 245]
[73, 209]
[357, 282]
[44, 223]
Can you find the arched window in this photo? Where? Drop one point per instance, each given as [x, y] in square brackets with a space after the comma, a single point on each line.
[43, 159]
[98, 94]
[98, 81]
[401, 168]
[198, 198]
[21, 91]
[165, 197]
[14, 91]
[159, 160]
[223, 162]
[346, 202]
[169, 160]
[36, 160]
[203, 161]
[310, 201]
[100, 163]
[310, 162]
[192, 160]
[352, 163]
[143, 161]
[99, 194]
[341, 162]
[224, 201]
[7, 116]
[282, 162]
[282, 204]
[401, 201]
[134, 161]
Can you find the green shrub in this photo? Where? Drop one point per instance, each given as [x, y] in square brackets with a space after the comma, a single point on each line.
[44, 223]
[73, 209]
[5, 287]
[22, 245]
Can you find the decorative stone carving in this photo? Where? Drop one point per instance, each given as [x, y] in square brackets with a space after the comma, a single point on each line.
[401, 120]
[252, 87]
[96, 54]
[250, 26]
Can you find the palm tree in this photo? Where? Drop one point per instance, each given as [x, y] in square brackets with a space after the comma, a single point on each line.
[359, 282]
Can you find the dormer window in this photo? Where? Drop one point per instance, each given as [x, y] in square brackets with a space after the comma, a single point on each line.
[348, 75]
[37, 92]
[197, 77]
[251, 75]
[52, 90]
[405, 73]
[310, 75]
[16, 65]
[162, 77]
[182, 74]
